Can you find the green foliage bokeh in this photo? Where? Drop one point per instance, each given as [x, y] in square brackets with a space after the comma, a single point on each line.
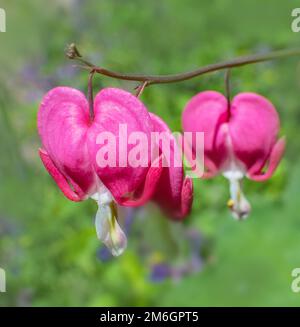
[48, 245]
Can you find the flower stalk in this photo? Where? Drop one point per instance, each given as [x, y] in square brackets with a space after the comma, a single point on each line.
[73, 53]
[91, 94]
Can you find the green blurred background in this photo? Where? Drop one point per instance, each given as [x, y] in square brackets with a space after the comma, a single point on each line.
[48, 245]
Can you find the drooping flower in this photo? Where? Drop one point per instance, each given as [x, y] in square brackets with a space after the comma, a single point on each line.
[174, 192]
[240, 139]
[71, 148]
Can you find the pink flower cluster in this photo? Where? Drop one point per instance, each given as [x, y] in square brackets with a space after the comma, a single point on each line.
[239, 140]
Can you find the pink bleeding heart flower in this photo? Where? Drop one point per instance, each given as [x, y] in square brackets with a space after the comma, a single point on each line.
[174, 192]
[71, 147]
[240, 139]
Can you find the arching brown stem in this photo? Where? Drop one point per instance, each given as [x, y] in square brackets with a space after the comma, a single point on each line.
[73, 53]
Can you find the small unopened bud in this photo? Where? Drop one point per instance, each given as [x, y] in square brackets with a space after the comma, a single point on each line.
[72, 51]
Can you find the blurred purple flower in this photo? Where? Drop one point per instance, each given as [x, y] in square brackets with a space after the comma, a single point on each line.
[193, 263]
[160, 272]
[103, 254]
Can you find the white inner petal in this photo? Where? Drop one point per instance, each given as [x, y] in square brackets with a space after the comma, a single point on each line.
[234, 170]
[238, 204]
[106, 222]
[108, 230]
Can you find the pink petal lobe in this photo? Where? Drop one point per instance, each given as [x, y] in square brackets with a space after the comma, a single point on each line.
[206, 112]
[186, 198]
[145, 192]
[116, 109]
[174, 193]
[254, 125]
[274, 160]
[60, 180]
[63, 123]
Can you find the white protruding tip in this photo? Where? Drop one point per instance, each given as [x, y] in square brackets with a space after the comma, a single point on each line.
[238, 204]
[108, 230]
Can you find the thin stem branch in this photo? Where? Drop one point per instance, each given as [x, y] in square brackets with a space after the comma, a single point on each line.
[228, 89]
[91, 94]
[73, 53]
[140, 88]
